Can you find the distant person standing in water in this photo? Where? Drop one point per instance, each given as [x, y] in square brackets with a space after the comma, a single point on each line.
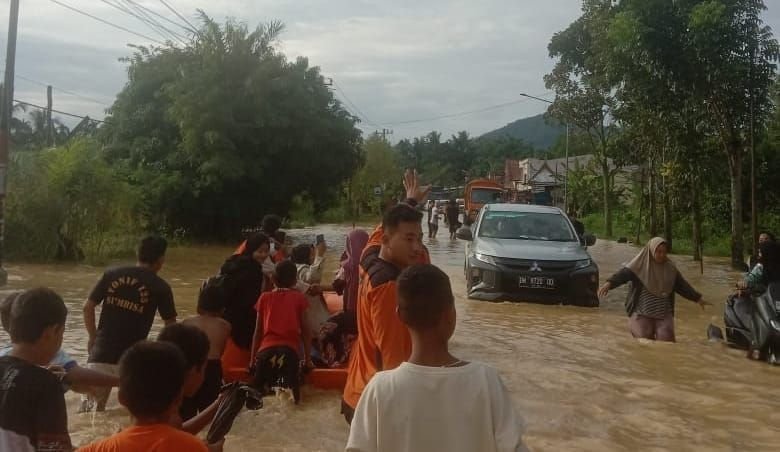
[654, 281]
[452, 213]
[430, 207]
[130, 298]
[434, 221]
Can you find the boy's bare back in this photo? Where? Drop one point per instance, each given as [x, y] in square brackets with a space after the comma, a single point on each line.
[216, 328]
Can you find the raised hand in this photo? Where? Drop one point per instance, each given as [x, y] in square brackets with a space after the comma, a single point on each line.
[413, 188]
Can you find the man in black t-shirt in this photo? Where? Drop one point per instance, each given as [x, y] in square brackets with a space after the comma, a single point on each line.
[33, 416]
[130, 297]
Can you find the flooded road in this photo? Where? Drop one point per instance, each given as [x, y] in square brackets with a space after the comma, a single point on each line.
[577, 377]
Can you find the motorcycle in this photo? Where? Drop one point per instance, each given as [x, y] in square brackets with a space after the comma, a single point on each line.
[753, 323]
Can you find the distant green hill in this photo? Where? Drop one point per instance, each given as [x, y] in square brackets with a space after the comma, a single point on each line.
[534, 130]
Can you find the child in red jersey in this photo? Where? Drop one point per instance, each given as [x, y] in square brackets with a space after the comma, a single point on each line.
[281, 332]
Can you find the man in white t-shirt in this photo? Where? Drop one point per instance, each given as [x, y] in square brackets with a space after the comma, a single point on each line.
[434, 402]
[434, 221]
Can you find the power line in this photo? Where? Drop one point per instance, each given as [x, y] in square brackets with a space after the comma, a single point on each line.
[152, 23]
[462, 113]
[363, 115]
[73, 115]
[83, 13]
[64, 91]
[151, 11]
[154, 27]
[194, 28]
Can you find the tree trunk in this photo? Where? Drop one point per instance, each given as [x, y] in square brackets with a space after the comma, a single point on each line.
[607, 198]
[667, 215]
[737, 228]
[641, 206]
[697, 239]
[653, 211]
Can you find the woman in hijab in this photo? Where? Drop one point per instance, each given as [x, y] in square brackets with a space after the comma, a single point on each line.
[244, 282]
[338, 333]
[349, 272]
[766, 270]
[654, 281]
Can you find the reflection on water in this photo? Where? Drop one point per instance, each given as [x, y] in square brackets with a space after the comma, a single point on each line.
[575, 374]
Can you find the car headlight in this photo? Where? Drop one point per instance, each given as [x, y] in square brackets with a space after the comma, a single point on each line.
[584, 263]
[485, 258]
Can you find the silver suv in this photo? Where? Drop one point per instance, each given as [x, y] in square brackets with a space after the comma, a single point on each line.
[519, 252]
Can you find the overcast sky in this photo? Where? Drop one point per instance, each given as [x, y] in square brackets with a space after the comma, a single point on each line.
[397, 61]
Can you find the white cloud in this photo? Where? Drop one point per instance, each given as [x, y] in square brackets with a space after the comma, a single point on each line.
[396, 60]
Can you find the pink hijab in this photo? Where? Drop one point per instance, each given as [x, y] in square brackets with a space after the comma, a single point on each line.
[350, 263]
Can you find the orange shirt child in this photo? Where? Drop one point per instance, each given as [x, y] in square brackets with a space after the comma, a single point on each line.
[148, 438]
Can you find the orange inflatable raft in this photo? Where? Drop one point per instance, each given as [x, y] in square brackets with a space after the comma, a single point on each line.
[235, 360]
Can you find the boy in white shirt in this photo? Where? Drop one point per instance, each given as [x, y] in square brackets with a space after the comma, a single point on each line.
[434, 401]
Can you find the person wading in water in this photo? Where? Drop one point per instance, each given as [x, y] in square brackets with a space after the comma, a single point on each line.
[654, 281]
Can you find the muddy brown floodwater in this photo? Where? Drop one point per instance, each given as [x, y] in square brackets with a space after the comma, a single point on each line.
[578, 378]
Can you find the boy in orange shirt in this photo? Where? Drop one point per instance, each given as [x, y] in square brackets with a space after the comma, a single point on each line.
[383, 342]
[281, 331]
[151, 383]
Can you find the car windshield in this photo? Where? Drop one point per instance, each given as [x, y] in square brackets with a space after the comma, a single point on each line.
[526, 226]
[485, 195]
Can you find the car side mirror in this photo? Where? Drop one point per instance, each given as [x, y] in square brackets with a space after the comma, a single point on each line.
[464, 233]
[588, 239]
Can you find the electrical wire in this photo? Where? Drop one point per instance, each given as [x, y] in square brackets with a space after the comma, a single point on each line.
[194, 28]
[354, 106]
[111, 24]
[154, 27]
[155, 13]
[152, 22]
[73, 115]
[462, 113]
[62, 90]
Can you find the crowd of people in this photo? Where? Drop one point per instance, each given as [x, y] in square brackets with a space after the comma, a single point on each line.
[265, 310]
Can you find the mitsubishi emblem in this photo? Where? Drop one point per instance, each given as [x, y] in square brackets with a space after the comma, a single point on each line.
[535, 267]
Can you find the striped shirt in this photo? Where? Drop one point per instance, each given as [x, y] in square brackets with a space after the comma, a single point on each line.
[653, 306]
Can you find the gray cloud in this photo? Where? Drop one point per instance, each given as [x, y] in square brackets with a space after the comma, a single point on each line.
[397, 61]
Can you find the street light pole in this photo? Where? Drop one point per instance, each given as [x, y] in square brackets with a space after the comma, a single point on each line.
[566, 179]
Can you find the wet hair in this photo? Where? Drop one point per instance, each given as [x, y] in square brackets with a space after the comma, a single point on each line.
[193, 343]
[5, 309]
[286, 274]
[254, 242]
[271, 224]
[151, 249]
[401, 213]
[301, 254]
[212, 295]
[151, 377]
[424, 295]
[32, 311]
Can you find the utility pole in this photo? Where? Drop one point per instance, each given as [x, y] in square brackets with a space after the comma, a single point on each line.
[49, 125]
[6, 109]
[566, 178]
[384, 133]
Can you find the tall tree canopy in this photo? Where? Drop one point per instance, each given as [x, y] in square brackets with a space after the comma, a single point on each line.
[227, 129]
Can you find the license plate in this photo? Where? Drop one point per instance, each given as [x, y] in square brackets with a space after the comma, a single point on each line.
[537, 282]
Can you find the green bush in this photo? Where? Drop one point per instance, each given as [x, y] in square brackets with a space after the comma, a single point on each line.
[68, 203]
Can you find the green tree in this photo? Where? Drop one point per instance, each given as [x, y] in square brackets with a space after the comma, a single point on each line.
[584, 97]
[225, 130]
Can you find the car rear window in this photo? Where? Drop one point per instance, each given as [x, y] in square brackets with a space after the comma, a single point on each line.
[526, 226]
